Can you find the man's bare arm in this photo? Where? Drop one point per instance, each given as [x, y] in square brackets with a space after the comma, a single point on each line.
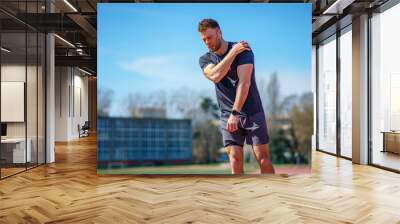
[244, 74]
[217, 72]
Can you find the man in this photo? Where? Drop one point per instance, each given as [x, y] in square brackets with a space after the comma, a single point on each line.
[230, 66]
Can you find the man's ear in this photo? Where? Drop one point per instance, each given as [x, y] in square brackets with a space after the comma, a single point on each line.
[219, 31]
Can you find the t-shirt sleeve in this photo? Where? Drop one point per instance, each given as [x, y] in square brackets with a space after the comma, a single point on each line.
[246, 57]
[204, 61]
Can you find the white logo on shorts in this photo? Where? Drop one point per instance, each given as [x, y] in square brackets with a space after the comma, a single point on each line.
[254, 127]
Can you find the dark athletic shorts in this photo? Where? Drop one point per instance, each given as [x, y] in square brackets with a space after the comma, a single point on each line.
[251, 128]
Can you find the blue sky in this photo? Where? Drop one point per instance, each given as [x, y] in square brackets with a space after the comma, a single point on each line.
[147, 47]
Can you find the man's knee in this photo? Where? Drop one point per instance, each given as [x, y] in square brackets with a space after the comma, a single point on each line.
[262, 156]
[236, 157]
[235, 154]
[261, 150]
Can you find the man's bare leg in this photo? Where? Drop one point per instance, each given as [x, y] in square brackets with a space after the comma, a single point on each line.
[261, 152]
[235, 154]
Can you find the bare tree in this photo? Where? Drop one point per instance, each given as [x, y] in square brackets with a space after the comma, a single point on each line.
[302, 122]
[273, 96]
[133, 101]
[105, 98]
[209, 107]
[207, 140]
[288, 103]
[184, 103]
[290, 121]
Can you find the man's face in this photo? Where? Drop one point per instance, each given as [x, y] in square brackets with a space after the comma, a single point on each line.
[212, 38]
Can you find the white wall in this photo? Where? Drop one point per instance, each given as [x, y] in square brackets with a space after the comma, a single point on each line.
[61, 103]
[71, 93]
[16, 73]
[81, 100]
[33, 126]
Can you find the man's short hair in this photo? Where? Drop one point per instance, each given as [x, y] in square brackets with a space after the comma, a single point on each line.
[207, 23]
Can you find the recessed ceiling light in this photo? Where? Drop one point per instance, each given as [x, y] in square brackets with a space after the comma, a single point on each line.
[84, 71]
[70, 5]
[64, 40]
[338, 6]
[5, 49]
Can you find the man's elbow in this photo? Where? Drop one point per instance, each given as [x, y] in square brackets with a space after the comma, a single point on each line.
[216, 78]
[212, 76]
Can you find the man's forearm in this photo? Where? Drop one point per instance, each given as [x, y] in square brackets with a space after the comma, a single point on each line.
[241, 95]
[218, 72]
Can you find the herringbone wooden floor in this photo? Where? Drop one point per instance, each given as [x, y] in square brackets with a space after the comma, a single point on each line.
[70, 191]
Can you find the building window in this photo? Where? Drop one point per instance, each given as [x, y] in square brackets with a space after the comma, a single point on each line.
[327, 95]
[385, 88]
[346, 92]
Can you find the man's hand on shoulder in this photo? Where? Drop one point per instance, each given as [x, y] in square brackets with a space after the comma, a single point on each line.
[216, 72]
[240, 47]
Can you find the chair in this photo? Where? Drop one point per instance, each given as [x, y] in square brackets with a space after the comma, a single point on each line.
[84, 130]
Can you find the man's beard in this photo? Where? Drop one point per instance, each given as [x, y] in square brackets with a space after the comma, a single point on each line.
[218, 46]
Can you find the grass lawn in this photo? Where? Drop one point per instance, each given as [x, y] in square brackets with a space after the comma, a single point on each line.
[219, 168]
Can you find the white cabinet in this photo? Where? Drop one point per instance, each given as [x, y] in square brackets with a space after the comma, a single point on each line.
[19, 154]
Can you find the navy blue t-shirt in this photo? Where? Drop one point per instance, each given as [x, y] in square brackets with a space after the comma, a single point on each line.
[226, 88]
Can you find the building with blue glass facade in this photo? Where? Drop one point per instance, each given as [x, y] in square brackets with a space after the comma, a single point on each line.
[143, 141]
